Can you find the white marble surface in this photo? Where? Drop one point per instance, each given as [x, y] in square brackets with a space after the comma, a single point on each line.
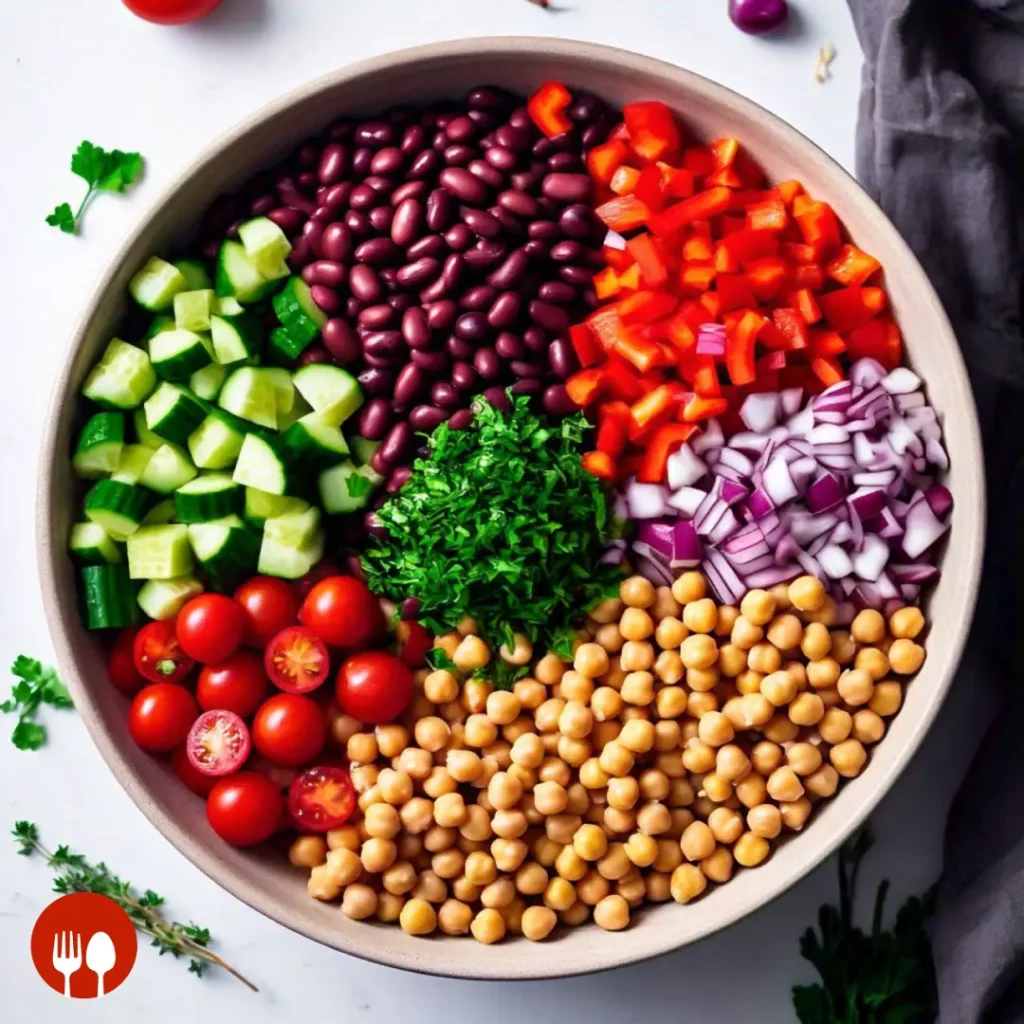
[70, 70]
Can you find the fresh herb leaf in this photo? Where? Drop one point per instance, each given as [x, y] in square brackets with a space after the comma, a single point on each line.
[562, 641]
[76, 874]
[878, 978]
[437, 659]
[500, 523]
[36, 685]
[357, 485]
[500, 674]
[102, 171]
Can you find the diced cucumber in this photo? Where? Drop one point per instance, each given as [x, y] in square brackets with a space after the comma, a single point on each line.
[330, 390]
[116, 506]
[216, 442]
[227, 306]
[260, 506]
[266, 245]
[207, 382]
[237, 275]
[163, 599]
[173, 413]
[235, 337]
[346, 488]
[284, 389]
[314, 442]
[195, 274]
[261, 465]
[299, 315]
[123, 379]
[284, 347]
[142, 432]
[156, 284]
[192, 310]
[293, 529]
[300, 407]
[225, 546]
[109, 597]
[277, 559]
[99, 445]
[212, 496]
[168, 469]
[132, 464]
[251, 394]
[160, 323]
[160, 514]
[91, 544]
[159, 552]
[177, 354]
[363, 449]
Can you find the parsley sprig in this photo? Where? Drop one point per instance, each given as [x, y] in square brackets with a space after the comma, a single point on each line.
[884, 977]
[36, 685]
[501, 523]
[102, 171]
[76, 874]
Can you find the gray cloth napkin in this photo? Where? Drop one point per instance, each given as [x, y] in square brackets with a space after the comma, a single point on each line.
[940, 145]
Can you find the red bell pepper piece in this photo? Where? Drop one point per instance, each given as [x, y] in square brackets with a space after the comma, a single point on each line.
[827, 343]
[827, 370]
[645, 307]
[724, 151]
[771, 337]
[665, 440]
[767, 277]
[679, 333]
[547, 108]
[606, 283]
[624, 213]
[747, 246]
[880, 339]
[852, 266]
[629, 466]
[697, 250]
[768, 216]
[725, 260]
[735, 292]
[607, 326]
[818, 224]
[699, 161]
[676, 182]
[810, 276]
[586, 346]
[649, 190]
[696, 278]
[672, 220]
[604, 160]
[643, 354]
[850, 308]
[698, 408]
[803, 302]
[629, 279]
[652, 129]
[620, 132]
[621, 380]
[649, 259]
[789, 190]
[600, 464]
[713, 304]
[792, 326]
[739, 348]
[624, 180]
[584, 386]
[612, 425]
[617, 259]
[798, 252]
[702, 373]
[655, 407]
[724, 177]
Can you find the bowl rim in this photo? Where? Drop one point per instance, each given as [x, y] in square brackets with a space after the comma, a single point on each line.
[52, 451]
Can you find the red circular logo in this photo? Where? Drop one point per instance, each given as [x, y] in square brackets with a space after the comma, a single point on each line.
[84, 945]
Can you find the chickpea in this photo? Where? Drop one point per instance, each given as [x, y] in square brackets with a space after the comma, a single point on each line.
[592, 775]
[886, 699]
[631, 888]
[807, 593]
[610, 637]
[554, 769]
[873, 661]
[636, 624]
[658, 886]
[395, 787]
[359, 902]
[538, 922]
[547, 715]
[715, 729]
[653, 784]
[784, 784]
[905, 657]
[756, 709]
[715, 788]
[560, 894]
[382, 821]
[441, 687]
[389, 907]
[321, 885]
[700, 616]
[378, 855]
[570, 865]
[726, 825]
[504, 791]
[577, 914]
[765, 820]
[499, 894]
[636, 656]
[698, 651]
[681, 793]
[509, 824]
[670, 632]
[691, 586]
[748, 682]
[307, 852]
[906, 623]
[752, 791]
[785, 631]
[670, 855]
[550, 797]
[590, 842]
[592, 887]
[637, 736]
[751, 850]
[868, 627]
[732, 660]
[480, 731]
[488, 926]
[531, 879]
[816, 642]
[830, 698]
[471, 653]
[448, 863]
[409, 846]
[615, 759]
[731, 763]
[835, 726]
[477, 825]
[667, 736]
[612, 913]
[868, 727]
[670, 701]
[823, 782]
[823, 673]
[416, 763]
[764, 658]
[432, 733]
[806, 709]
[653, 818]
[640, 849]
[796, 813]
[688, 882]
[665, 605]
[848, 758]
[576, 720]
[608, 610]
[844, 647]
[392, 739]
[530, 693]
[718, 867]
[591, 660]
[562, 827]
[520, 653]
[668, 667]
[463, 765]
[546, 851]
[399, 878]
[343, 726]
[576, 687]
[450, 810]
[637, 592]
[701, 683]
[361, 748]
[439, 782]
[745, 635]
[697, 842]
[855, 687]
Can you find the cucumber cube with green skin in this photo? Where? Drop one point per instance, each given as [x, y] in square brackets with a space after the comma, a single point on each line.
[168, 469]
[236, 338]
[266, 245]
[207, 382]
[192, 310]
[208, 497]
[177, 354]
[314, 442]
[300, 407]
[298, 314]
[160, 514]
[293, 529]
[261, 506]
[216, 442]
[159, 552]
[285, 347]
[117, 506]
[195, 273]
[290, 563]
[251, 394]
[237, 275]
[123, 378]
[225, 547]
[346, 488]
[132, 463]
[262, 464]
[160, 323]
[163, 599]
[142, 432]
[329, 390]
[156, 284]
[173, 413]
[99, 445]
[92, 545]
[109, 597]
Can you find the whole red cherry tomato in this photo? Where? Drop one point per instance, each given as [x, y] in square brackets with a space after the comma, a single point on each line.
[210, 628]
[320, 571]
[374, 687]
[161, 716]
[413, 643]
[269, 605]
[158, 656]
[171, 12]
[238, 684]
[244, 809]
[343, 613]
[289, 729]
[121, 662]
[194, 779]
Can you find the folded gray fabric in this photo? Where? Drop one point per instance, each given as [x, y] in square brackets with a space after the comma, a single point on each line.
[941, 147]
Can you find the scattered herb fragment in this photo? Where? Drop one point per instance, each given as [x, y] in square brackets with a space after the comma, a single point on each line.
[879, 978]
[357, 485]
[438, 659]
[76, 874]
[501, 523]
[102, 172]
[823, 69]
[562, 642]
[36, 685]
[500, 674]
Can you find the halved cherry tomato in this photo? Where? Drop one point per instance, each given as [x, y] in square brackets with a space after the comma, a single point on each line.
[161, 716]
[289, 729]
[297, 660]
[269, 606]
[210, 628]
[239, 684]
[319, 572]
[244, 809]
[374, 687]
[158, 656]
[199, 783]
[218, 743]
[121, 662]
[343, 613]
[322, 798]
[413, 642]
[171, 12]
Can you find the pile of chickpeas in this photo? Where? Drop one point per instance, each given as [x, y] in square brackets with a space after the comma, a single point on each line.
[684, 739]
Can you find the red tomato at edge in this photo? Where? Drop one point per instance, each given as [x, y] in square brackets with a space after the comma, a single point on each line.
[171, 12]
[374, 687]
[157, 654]
[209, 628]
[161, 715]
[238, 684]
[244, 809]
[289, 729]
[269, 605]
[343, 613]
[413, 642]
[121, 662]
[193, 779]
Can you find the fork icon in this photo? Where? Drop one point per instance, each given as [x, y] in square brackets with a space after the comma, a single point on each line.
[67, 956]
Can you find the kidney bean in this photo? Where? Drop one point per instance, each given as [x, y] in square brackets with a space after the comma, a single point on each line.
[517, 202]
[562, 358]
[379, 184]
[478, 297]
[315, 354]
[511, 271]
[425, 165]
[578, 221]
[432, 292]
[556, 291]
[326, 298]
[380, 218]
[486, 173]
[341, 341]
[413, 139]
[300, 255]
[529, 367]
[377, 251]
[325, 272]
[461, 129]
[340, 130]
[458, 156]
[385, 344]
[579, 277]
[535, 339]
[333, 164]
[361, 160]
[354, 306]
[419, 272]
[472, 327]
[336, 242]
[288, 220]
[289, 194]
[409, 383]
[556, 401]
[458, 348]
[500, 158]
[489, 97]
[465, 376]
[564, 163]
[397, 481]
[375, 419]
[431, 360]
[463, 185]
[442, 314]
[566, 252]
[357, 223]
[511, 225]
[363, 197]
[405, 225]
[411, 608]
[486, 253]
[439, 143]
[508, 346]
[445, 395]
[371, 521]
[551, 318]
[375, 133]
[262, 206]
[504, 310]
[528, 180]
[594, 135]
[431, 245]
[313, 233]
[480, 222]
[536, 249]
[512, 137]
[387, 161]
[397, 443]
[376, 317]
[364, 283]
[542, 149]
[527, 386]
[211, 248]
[497, 398]
[416, 328]
[451, 273]
[400, 303]
[486, 363]
[426, 417]
[589, 298]
[548, 209]
[440, 209]
[459, 238]
[461, 420]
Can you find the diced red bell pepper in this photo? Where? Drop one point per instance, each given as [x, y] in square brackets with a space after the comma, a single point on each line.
[620, 132]
[649, 189]
[767, 277]
[649, 259]
[702, 374]
[747, 246]
[818, 224]
[645, 307]
[652, 129]
[624, 213]
[606, 283]
[725, 260]
[697, 250]
[804, 303]
[750, 197]
[739, 348]
[699, 161]
[799, 252]
[655, 407]
[724, 177]
[673, 219]
[643, 354]
[665, 440]
[789, 190]
[612, 425]
[880, 339]
[621, 379]
[792, 326]
[827, 343]
[679, 332]
[607, 326]
[810, 276]
[698, 408]
[696, 278]
[604, 160]
[586, 346]
[584, 386]
[547, 108]
[850, 308]
[770, 215]
[735, 292]
[676, 182]
[827, 370]
[624, 180]
[600, 464]
[852, 266]
[617, 259]
[629, 466]
[713, 304]
[629, 279]
[724, 151]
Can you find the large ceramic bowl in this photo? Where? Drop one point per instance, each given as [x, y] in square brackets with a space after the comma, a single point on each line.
[266, 882]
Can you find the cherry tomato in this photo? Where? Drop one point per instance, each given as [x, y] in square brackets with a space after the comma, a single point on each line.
[121, 662]
[342, 612]
[413, 643]
[171, 12]
[289, 729]
[238, 684]
[269, 605]
[158, 655]
[210, 628]
[199, 783]
[320, 571]
[374, 687]
[218, 743]
[297, 660]
[279, 775]
[322, 798]
[244, 809]
[161, 716]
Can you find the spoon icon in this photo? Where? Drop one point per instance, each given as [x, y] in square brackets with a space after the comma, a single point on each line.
[100, 957]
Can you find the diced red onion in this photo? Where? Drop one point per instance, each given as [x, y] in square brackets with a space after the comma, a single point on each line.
[825, 493]
[684, 468]
[687, 500]
[792, 399]
[712, 437]
[659, 575]
[835, 562]
[866, 373]
[761, 412]
[686, 550]
[922, 529]
[711, 340]
[870, 561]
[646, 501]
[901, 381]
[614, 240]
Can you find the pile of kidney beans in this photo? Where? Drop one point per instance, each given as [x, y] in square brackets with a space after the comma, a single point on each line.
[451, 246]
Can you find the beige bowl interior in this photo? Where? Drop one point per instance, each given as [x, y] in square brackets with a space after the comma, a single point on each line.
[266, 882]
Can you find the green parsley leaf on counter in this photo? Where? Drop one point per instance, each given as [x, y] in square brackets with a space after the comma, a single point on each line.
[36, 685]
[102, 171]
